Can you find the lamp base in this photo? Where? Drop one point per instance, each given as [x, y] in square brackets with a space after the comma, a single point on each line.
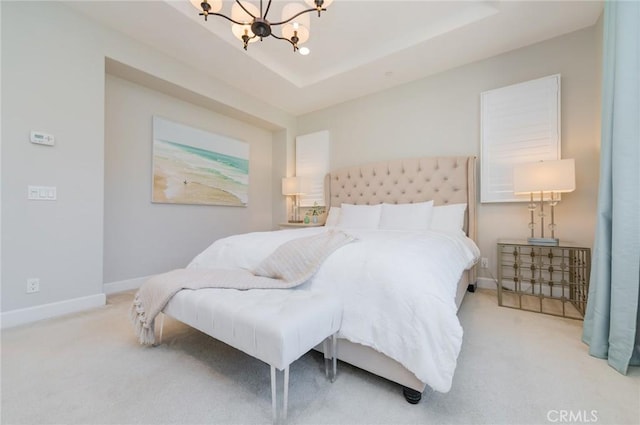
[544, 241]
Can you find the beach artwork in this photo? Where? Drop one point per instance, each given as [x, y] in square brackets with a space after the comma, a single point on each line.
[192, 166]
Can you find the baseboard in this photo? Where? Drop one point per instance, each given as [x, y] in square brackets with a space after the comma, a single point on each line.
[486, 283]
[46, 311]
[124, 285]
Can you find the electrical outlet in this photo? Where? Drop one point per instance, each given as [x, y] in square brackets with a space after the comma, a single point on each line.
[484, 263]
[33, 285]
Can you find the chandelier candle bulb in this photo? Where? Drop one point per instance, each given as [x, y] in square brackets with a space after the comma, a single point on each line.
[319, 5]
[213, 6]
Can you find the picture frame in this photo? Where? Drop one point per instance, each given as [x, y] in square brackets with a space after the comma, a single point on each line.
[193, 166]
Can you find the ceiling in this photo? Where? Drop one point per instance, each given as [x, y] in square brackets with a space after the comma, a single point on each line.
[357, 47]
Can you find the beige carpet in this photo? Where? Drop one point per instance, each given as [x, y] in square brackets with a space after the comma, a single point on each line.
[515, 368]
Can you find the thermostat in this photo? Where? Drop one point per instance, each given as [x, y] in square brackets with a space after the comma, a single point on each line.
[42, 138]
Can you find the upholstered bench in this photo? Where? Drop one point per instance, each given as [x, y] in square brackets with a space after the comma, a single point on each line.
[272, 325]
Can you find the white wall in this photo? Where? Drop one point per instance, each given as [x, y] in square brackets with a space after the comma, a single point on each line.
[62, 242]
[59, 242]
[440, 115]
[142, 238]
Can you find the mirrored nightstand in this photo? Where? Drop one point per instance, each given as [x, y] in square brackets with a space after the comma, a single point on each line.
[298, 225]
[544, 279]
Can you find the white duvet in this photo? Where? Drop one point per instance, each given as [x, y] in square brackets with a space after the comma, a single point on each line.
[398, 290]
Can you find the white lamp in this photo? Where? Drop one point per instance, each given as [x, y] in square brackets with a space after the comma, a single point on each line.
[544, 177]
[294, 186]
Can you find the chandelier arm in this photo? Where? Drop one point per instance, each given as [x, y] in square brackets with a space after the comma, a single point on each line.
[245, 9]
[295, 16]
[266, 11]
[226, 17]
[280, 38]
[295, 47]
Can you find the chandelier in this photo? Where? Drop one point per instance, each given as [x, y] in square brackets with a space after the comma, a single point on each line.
[251, 24]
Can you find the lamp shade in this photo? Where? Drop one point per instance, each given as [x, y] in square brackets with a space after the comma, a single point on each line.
[300, 26]
[240, 15]
[294, 186]
[544, 176]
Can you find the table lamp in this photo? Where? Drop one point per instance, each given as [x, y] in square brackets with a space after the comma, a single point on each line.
[546, 178]
[294, 187]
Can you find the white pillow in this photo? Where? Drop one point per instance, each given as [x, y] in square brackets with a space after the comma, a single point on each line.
[448, 218]
[332, 217]
[415, 216]
[359, 216]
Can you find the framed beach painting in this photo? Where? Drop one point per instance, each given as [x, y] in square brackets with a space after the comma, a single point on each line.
[192, 166]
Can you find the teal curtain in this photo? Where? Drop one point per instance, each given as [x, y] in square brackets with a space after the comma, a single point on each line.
[611, 321]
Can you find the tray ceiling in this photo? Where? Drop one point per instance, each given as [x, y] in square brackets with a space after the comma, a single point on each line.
[357, 47]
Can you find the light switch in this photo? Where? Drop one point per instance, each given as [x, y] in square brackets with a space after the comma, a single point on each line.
[42, 193]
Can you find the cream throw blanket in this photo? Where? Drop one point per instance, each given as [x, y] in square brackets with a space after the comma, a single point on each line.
[290, 265]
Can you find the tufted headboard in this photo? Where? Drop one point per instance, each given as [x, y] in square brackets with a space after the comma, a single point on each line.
[446, 180]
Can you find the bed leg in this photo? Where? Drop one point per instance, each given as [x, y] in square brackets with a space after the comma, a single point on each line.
[412, 396]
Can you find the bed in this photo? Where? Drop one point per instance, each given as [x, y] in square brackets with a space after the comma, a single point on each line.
[411, 350]
[445, 180]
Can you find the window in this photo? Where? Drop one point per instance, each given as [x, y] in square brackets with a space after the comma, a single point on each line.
[520, 123]
[312, 163]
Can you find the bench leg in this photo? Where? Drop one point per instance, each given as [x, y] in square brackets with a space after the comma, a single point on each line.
[334, 355]
[274, 404]
[325, 349]
[159, 326]
[330, 356]
[274, 398]
[286, 394]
